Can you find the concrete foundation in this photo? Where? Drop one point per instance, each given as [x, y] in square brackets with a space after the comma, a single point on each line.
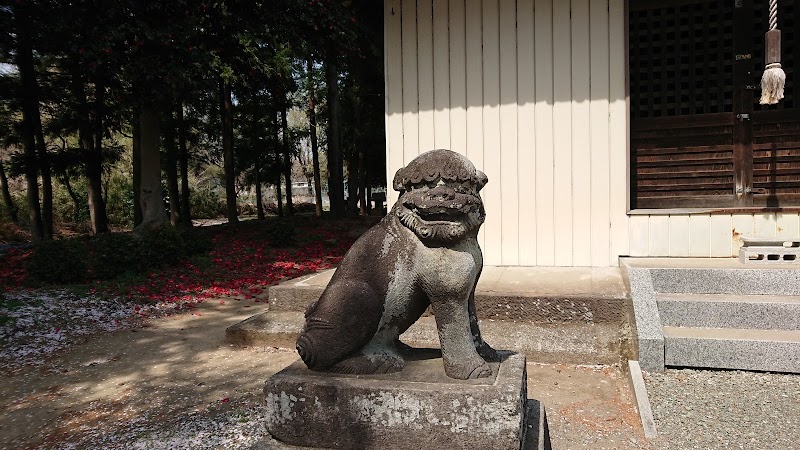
[418, 408]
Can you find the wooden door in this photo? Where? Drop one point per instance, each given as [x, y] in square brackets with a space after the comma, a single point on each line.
[698, 137]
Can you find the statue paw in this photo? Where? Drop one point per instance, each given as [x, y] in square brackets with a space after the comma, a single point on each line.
[374, 363]
[477, 368]
[488, 353]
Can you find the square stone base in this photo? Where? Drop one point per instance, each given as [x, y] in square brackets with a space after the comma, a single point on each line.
[418, 408]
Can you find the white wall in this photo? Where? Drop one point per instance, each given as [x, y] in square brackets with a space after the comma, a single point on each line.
[535, 97]
[705, 235]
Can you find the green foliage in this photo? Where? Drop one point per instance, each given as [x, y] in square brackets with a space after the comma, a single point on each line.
[280, 233]
[115, 254]
[162, 247]
[207, 203]
[61, 261]
[21, 203]
[195, 241]
[119, 206]
[64, 207]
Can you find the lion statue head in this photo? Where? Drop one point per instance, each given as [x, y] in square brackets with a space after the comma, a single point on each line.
[439, 197]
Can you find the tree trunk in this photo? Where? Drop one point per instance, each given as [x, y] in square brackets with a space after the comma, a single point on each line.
[279, 194]
[152, 202]
[10, 206]
[172, 171]
[137, 170]
[369, 199]
[362, 182]
[47, 178]
[287, 153]
[94, 165]
[30, 110]
[312, 120]
[183, 160]
[76, 201]
[335, 171]
[226, 111]
[257, 176]
[352, 184]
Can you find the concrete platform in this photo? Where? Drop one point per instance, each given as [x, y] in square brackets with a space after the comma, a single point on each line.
[530, 294]
[567, 315]
[418, 408]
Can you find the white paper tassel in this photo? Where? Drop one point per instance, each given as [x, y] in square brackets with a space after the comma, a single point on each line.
[772, 83]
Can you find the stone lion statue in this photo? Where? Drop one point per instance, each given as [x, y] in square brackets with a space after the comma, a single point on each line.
[424, 252]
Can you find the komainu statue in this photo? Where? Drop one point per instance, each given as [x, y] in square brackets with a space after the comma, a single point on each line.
[423, 253]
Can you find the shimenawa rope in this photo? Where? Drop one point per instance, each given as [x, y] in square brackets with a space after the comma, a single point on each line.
[774, 78]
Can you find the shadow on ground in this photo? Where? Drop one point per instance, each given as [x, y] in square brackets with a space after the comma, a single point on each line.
[176, 365]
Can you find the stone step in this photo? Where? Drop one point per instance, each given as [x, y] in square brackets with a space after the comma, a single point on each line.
[729, 348]
[578, 343]
[741, 280]
[566, 296]
[765, 312]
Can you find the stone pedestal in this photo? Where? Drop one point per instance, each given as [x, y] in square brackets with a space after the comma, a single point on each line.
[418, 408]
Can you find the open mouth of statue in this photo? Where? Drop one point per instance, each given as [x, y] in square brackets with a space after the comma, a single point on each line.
[440, 214]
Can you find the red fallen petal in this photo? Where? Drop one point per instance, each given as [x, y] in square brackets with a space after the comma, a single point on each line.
[225, 400]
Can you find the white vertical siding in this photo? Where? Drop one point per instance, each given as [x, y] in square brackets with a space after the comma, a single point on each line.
[534, 93]
[393, 57]
[425, 79]
[522, 88]
[441, 73]
[600, 201]
[562, 136]
[581, 143]
[618, 126]
[543, 132]
[705, 235]
[492, 248]
[509, 199]
[410, 111]
[474, 56]
[526, 139]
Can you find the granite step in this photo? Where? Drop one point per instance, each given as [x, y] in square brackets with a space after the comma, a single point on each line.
[764, 312]
[740, 280]
[732, 348]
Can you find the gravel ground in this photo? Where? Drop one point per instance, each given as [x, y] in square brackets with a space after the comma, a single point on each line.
[715, 409]
[40, 323]
[233, 424]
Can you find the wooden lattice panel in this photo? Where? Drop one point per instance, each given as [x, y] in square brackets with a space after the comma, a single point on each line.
[683, 115]
[680, 60]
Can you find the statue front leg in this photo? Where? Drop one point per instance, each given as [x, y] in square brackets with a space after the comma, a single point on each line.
[485, 350]
[461, 358]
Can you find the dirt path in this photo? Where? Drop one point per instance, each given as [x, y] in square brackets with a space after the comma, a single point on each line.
[177, 365]
[175, 382]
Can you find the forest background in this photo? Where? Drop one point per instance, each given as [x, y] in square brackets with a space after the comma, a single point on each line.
[143, 115]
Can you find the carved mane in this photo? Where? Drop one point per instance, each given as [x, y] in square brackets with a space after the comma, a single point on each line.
[438, 164]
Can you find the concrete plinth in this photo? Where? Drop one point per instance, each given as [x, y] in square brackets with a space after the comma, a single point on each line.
[418, 408]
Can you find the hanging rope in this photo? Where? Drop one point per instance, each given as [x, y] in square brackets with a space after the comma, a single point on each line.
[774, 79]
